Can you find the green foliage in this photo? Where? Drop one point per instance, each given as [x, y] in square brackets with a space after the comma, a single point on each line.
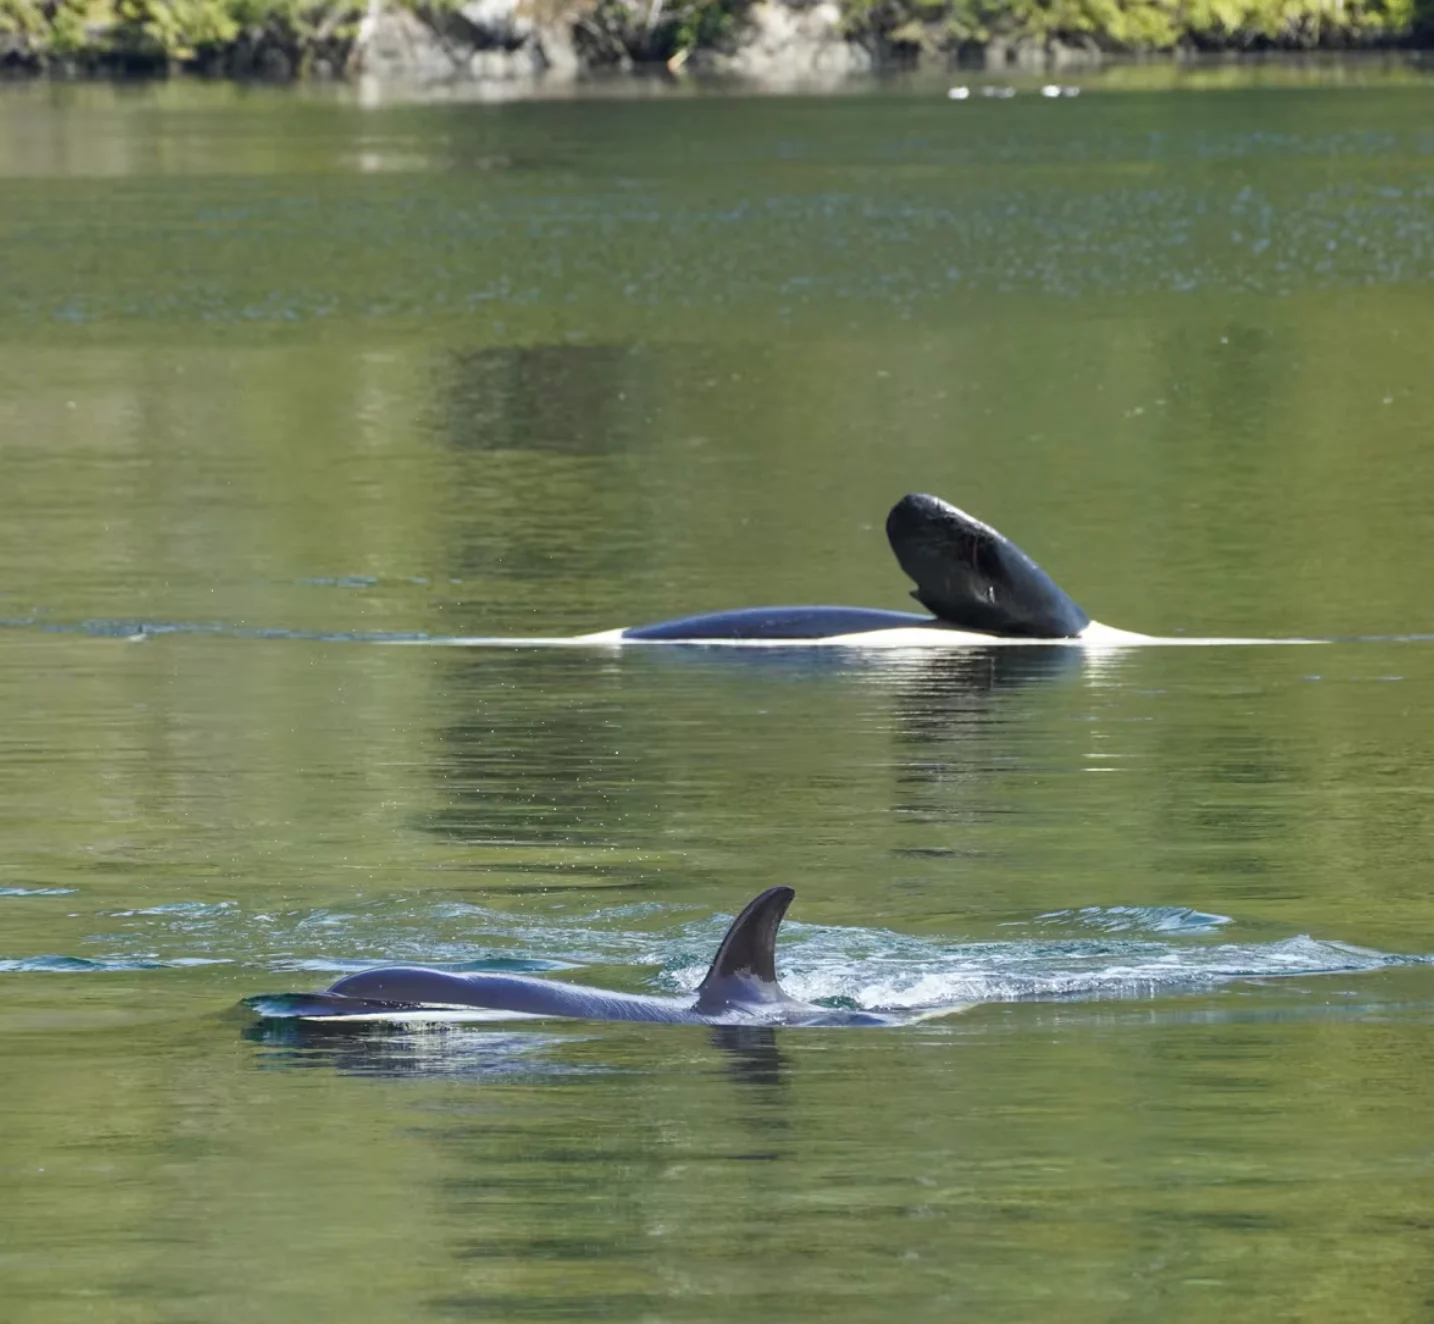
[710, 24]
[639, 31]
[238, 35]
[1134, 25]
[173, 29]
[288, 37]
[60, 27]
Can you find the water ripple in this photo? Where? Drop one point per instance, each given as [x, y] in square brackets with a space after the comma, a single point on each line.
[1148, 919]
[879, 971]
[1093, 952]
[70, 965]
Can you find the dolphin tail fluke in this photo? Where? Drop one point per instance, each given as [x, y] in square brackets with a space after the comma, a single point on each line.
[744, 970]
[975, 578]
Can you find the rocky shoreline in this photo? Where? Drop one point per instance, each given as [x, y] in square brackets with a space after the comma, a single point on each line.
[763, 40]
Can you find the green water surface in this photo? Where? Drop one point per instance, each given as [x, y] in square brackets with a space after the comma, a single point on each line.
[284, 375]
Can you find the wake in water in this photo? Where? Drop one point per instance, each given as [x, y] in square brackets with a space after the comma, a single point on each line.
[1124, 952]
[1160, 951]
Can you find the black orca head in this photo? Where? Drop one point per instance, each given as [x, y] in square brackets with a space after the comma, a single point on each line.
[970, 576]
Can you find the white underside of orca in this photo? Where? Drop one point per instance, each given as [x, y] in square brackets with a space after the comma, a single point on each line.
[1095, 636]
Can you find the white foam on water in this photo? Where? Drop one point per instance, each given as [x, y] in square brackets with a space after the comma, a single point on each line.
[881, 971]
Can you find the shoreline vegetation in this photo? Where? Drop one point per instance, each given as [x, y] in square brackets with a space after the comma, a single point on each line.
[773, 39]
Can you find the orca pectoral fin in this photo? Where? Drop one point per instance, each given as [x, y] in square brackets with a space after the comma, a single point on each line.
[973, 577]
[744, 971]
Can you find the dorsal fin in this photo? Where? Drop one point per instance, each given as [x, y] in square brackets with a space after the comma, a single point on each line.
[744, 970]
[973, 577]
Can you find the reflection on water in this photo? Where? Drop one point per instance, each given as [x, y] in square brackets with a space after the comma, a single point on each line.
[261, 416]
[749, 1054]
[753, 1055]
[386, 1051]
[950, 696]
[564, 398]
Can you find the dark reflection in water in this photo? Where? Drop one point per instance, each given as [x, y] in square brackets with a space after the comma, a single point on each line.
[967, 671]
[752, 1056]
[565, 399]
[532, 1306]
[567, 766]
[537, 488]
[748, 1055]
[389, 1051]
[951, 722]
[943, 692]
[545, 771]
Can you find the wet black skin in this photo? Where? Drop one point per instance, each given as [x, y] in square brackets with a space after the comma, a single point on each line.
[969, 576]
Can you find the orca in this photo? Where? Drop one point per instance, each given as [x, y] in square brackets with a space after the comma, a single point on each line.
[740, 988]
[977, 585]
[980, 589]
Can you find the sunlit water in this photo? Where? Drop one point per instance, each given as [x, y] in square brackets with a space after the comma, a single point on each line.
[282, 380]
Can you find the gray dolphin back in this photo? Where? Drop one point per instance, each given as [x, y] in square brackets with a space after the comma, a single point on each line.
[742, 979]
[410, 987]
[973, 577]
[744, 971]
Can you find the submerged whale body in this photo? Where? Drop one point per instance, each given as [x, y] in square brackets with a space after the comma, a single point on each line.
[970, 577]
[740, 987]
